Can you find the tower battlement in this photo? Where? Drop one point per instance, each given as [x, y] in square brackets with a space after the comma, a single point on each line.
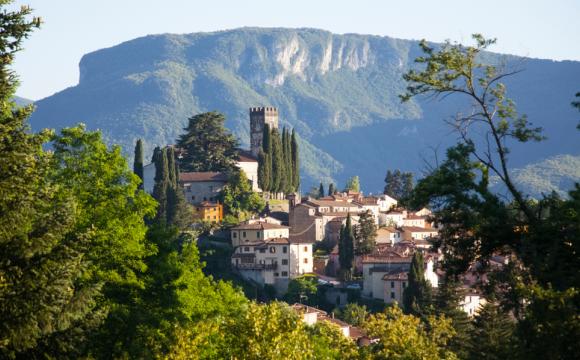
[259, 117]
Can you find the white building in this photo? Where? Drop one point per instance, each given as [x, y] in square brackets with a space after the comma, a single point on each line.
[388, 235]
[264, 253]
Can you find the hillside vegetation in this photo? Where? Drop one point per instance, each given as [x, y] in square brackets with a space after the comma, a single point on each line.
[340, 92]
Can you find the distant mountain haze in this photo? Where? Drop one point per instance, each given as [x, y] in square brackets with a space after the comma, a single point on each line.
[340, 92]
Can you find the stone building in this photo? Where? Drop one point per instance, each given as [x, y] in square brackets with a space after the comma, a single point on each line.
[259, 117]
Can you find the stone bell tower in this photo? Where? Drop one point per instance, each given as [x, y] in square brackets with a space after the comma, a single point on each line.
[259, 117]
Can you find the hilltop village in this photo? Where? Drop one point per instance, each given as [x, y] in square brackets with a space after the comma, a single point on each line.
[298, 238]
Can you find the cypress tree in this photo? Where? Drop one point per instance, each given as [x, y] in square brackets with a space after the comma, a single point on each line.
[161, 183]
[321, 191]
[288, 161]
[138, 161]
[417, 294]
[267, 149]
[295, 162]
[346, 249]
[331, 189]
[447, 302]
[172, 167]
[278, 181]
[264, 171]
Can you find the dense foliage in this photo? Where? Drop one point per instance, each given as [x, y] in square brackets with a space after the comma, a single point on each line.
[398, 184]
[540, 285]
[365, 233]
[207, 145]
[346, 248]
[278, 164]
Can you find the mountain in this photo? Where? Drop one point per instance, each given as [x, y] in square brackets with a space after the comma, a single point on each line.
[558, 173]
[20, 101]
[340, 92]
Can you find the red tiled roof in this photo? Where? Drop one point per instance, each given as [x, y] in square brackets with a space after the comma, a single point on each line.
[396, 276]
[207, 204]
[246, 156]
[418, 229]
[205, 176]
[259, 226]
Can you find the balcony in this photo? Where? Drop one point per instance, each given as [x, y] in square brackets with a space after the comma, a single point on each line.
[251, 266]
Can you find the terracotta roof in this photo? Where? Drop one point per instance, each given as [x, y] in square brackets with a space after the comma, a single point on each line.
[418, 229]
[369, 259]
[203, 176]
[332, 203]
[416, 217]
[305, 309]
[246, 156]
[259, 226]
[274, 241]
[396, 276]
[387, 229]
[208, 204]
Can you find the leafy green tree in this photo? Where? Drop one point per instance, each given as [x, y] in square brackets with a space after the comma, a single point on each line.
[398, 184]
[208, 145]
[320, 191]
[346, 248]
[407, 337]
[303, 290]
[138, 161]
[331, 189]
[353, 184]
[541, 237]
[175, 294]
[365, 233]
[417, 295]
[295, 161]
[354, 314]
[329, 342]
[41, 258]
[492, 335]
[238, 198]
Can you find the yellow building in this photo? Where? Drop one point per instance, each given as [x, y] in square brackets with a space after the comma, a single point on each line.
[209, 211]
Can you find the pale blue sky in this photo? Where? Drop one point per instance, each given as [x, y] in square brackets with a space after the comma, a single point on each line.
[535, 28]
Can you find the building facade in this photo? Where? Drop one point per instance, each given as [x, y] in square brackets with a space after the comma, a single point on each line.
[259, 117]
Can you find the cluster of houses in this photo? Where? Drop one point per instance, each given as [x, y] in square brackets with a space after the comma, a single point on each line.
[272, 250]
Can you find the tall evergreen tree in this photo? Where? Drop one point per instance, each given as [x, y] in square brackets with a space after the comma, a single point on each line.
[162, 183]
[138, 161]
[264, 171]
[295, 162]
[331, 189]
[366, 233]
[448, 302]
[208, 145]
[492, 335]
[41, 259]
[321, 191]
[417, 294]
[346, 249]
[172, 167]
[278, 180]
[288, 161]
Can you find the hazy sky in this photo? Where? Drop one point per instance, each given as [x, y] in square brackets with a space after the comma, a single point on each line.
[535, 28]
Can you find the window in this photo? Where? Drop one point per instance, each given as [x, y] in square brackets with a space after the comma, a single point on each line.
[234, 235]
[247, 249]
[284, 262]
[243, 233]
[276, 274]
[192, 197]
[392, 284]
[214, 217]
[306, 260]
[272, 249]
[392, 295]
[284, 273]
[306, 248]
[262, 250]
[404, 285]
[258, 234]
[284, 249]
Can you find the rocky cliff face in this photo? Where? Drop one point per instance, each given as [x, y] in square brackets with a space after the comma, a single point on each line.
[339, 91]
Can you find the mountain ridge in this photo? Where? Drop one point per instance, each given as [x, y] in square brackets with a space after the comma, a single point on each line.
[331, 88]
